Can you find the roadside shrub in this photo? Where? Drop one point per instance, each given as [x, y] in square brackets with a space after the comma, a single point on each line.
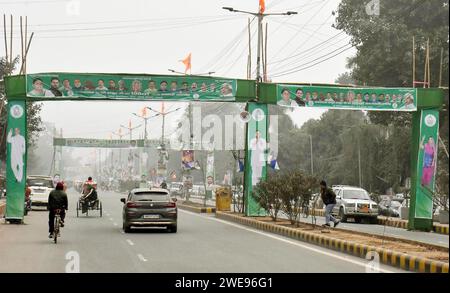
[268, 194]
[297, 193]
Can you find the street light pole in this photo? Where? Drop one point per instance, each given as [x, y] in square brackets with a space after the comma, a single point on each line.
[163, 114]
[260, 15]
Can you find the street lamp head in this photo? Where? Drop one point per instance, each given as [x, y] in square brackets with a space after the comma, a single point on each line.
[291, 13]
[228, 8]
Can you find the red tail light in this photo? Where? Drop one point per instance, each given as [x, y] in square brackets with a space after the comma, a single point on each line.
[171, 205]
[131, 205]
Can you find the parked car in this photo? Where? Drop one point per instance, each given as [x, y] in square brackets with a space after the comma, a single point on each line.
[145, 207]
[354, 202]
[40, 186]
[390, 208]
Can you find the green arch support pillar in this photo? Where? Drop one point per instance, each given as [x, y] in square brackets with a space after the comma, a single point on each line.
[424, 144]
[16, 160]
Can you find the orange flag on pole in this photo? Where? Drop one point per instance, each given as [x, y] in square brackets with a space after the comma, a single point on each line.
[144, 112]
[262, 6]
[187, 63]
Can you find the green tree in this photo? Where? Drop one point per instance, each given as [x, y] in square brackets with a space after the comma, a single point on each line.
[345, 78]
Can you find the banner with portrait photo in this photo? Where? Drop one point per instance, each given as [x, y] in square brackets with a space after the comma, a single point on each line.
[256, 156]
[427, 163]
[351, 98]
[16, 152]
[73, 86]
[187, 160]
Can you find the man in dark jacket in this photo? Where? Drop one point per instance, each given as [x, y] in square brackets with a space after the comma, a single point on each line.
[57, 199]
[329, 200]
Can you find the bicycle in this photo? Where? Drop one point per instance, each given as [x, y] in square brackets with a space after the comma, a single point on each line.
[57, 226]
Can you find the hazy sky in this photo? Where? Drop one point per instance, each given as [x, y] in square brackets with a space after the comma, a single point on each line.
[142, 36]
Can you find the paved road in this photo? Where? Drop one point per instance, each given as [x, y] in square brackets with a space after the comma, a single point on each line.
[426, 237]
[202, 244]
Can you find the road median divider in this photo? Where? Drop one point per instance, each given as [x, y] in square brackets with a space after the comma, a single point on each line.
[196, 208]
[400, 253]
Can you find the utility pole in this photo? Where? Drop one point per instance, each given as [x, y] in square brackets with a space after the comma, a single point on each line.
[120, 135]
[145, 118]
[260, 15]
[311, 148]
[130, 129]
[359, 164]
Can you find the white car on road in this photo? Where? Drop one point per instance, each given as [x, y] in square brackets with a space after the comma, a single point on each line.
[40, 186]
[354, 202]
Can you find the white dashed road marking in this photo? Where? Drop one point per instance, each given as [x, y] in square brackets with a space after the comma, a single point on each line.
[141, 257]
[130, 242]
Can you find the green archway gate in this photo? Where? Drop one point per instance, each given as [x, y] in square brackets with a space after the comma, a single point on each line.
[424, 103]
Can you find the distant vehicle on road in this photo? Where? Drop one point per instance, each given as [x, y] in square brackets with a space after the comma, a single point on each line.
[390, 208]
[354, 202]
[176, 188]
[145, 207]
[40, 186]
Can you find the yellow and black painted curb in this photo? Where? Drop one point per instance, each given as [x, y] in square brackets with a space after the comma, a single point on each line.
[441, 229]
[386, 256]
[398, 223]
[200, 210]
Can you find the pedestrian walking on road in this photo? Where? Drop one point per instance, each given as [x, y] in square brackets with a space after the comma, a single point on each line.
[329, 199]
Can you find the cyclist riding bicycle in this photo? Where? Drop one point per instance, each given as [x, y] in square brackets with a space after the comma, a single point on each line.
[57, 200]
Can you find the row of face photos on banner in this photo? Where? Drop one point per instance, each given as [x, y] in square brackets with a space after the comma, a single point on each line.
[104, 86]
[359, 98]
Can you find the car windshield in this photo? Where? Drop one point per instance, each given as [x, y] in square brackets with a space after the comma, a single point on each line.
[150, 196]
[40, 182]
[356, 194]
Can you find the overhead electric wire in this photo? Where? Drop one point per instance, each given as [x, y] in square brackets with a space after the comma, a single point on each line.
[156, 20]
[315, 50]
[306, 63]
[240, 55]
[181, 25]
[304, 42]
[298, 32]
[222, 56]
[317, 63]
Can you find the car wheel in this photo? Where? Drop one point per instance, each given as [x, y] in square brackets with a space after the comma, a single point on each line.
[126, 228]
[342, 215]
[173, 229]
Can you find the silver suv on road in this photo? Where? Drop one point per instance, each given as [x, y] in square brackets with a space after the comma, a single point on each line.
[354, 202]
